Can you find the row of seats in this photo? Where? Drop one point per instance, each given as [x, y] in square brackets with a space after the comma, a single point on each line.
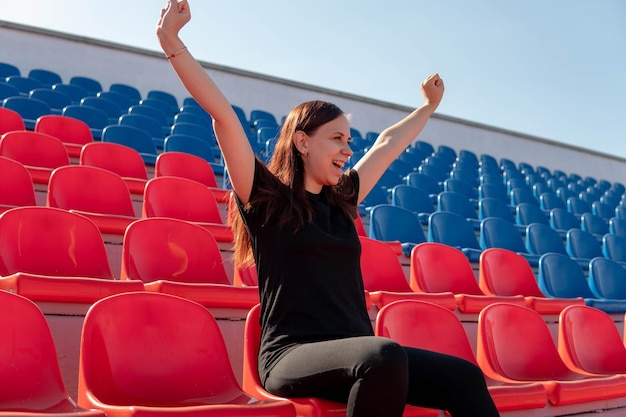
[125, 335]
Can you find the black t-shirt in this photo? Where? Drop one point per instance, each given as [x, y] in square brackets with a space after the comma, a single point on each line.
[310, 282]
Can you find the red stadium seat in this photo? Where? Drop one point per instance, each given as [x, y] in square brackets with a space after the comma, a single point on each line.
[10, 120]
[177, 257]
[305, 407]
[40, 153]
[185, 199]
[436, 267]
[407, 322]
[384, 278]
[506, 273]
[49, 254]
[95, 193]
[31, 382]
[16, 185]
[147, 354]
[124, 161]
[72, 132]
[515, 345]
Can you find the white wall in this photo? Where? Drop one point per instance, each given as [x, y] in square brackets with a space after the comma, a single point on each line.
[29, 48]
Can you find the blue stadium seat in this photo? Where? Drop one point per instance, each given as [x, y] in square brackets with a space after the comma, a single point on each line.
[95, 118]
[29, 108]
[542, 239]
[520, 195]
[460, 204]
[192, 117]
[493, 190]
[617, 226]
[110, 107]
[424, 146]
[439, 173]
[454, 230]
[603, 210]
[578, 206]
[607, 279]
[526, 214]
[562, 220]
[76, 92]
[594, 224]
[390, 223]
[164, 96]
[426, 183]
[134, 138]
[413, 199]
[500, 233]
[614, 247]
[124, 102]
[6, 70]
[462, 187]
[46, 77]
[23, 84]
[8, 90]
[559, 276]
[56, 99]
[168, 111]
[155, 113]
[128, 90]
[189, 144]
[493, 207]
[549, 200]
[582, 245]
[92, 85]
[146, 123]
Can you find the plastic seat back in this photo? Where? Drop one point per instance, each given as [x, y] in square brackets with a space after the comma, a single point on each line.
[66, 129]
[515, 342]
[381, 268]
[526, 214]
[10, 120]
[56, 99]
[504, 272]
[154, 350]
[34, 149]
[186, 165]
[578, 206]
[192, 145]
[29, 108]
[589, 340]
[74, 91]
[120, 159]
[541, 239]
[581, 244]
[405, 322]
[561, 219]
[451, 229]
[607, 279]
[549, 201]
[594, 224]
[16, 185]
[170, 249]
[50, 241]
[90, 84]
[72, 188]
[423, 182]
[456, 203]
[44, 76]
[134, 138]
[31, 378]
[614, 247]
[493, 207]
[412, 198]
[560, 276]
[499, 233]
[95, 118]
[437, 267]
[393, 223]
[180, 198]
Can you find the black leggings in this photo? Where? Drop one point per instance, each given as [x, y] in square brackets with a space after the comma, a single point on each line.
[377, 377]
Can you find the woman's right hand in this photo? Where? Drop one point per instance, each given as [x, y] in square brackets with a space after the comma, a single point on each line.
[173, 17]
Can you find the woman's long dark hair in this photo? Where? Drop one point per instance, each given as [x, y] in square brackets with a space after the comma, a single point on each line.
[287, 167]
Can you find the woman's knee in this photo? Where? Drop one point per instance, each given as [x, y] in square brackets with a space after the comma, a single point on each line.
[386, 357]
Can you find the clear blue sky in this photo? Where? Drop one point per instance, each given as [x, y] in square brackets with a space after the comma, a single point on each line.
[554, 69]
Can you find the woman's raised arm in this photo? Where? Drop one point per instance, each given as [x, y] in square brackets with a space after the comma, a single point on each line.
[395, 139]
[231, 137]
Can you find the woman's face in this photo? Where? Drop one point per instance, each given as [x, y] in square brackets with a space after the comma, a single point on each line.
[328, 150]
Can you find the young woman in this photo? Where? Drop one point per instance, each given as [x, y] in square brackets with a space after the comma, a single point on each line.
[296, 223]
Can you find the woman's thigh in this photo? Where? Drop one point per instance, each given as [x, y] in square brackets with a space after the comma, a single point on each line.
[329, 369]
